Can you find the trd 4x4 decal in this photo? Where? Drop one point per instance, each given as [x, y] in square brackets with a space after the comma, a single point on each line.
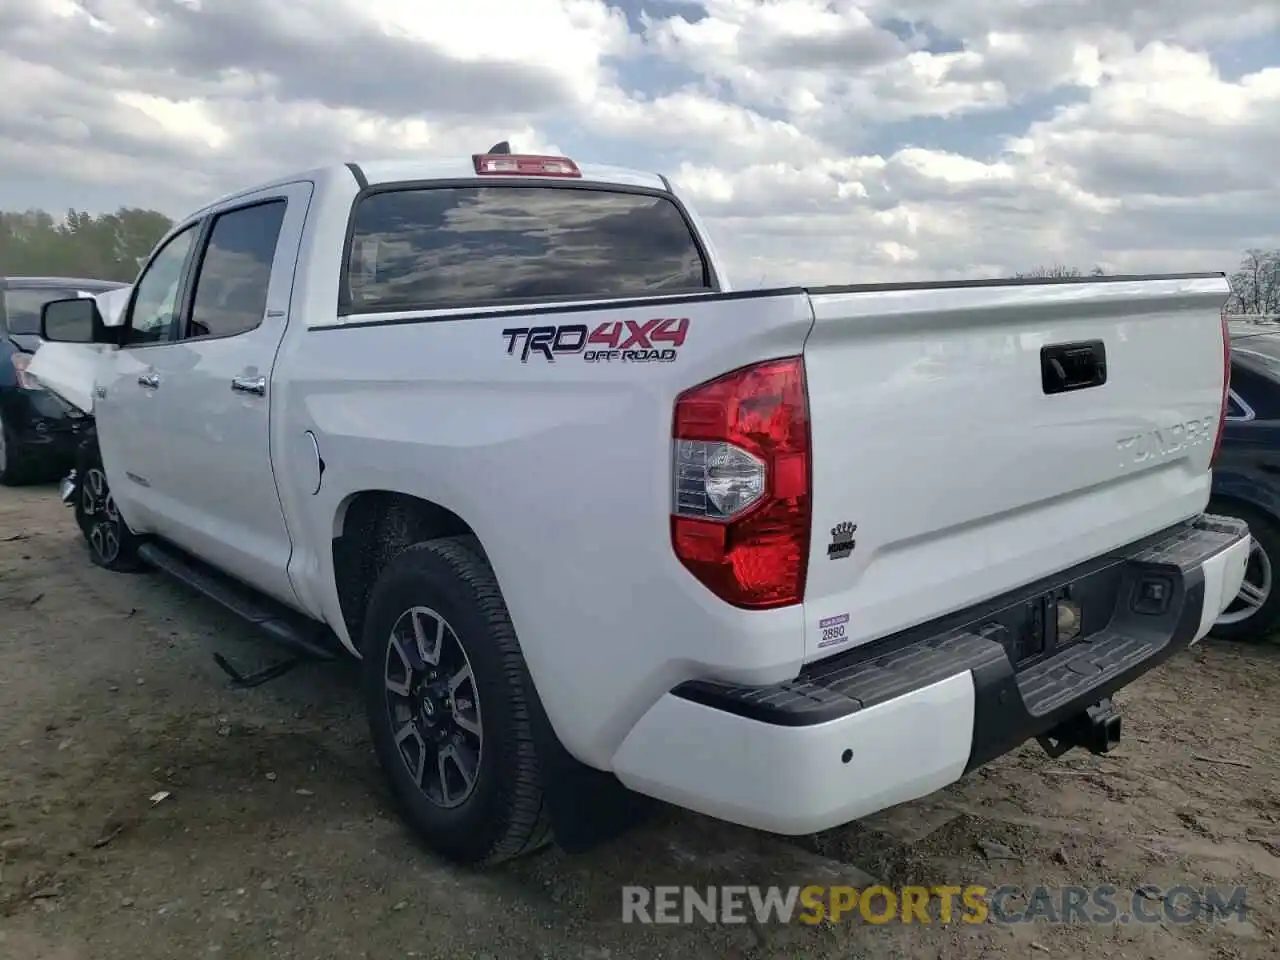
[623, 341]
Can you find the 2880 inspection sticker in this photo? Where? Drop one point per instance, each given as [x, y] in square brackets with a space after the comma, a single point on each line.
[833, 630]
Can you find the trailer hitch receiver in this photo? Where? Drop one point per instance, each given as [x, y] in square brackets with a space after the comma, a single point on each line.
[1096, 728]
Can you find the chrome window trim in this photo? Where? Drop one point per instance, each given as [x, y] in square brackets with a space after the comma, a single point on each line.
[1248, 413]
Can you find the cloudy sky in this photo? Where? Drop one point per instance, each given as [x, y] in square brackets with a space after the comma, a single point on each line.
[853, 140]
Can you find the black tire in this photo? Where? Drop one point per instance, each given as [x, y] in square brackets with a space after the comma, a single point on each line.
[112, 545]
[17, 468]
[504, 814]
[1262, 623]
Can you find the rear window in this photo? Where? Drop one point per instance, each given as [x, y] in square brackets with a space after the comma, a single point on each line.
[468, 246]
[22, 307]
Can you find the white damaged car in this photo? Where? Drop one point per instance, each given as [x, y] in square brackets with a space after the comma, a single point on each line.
[70, 369]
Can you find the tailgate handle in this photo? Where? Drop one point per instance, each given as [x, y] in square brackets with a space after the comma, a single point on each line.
[1073, 366]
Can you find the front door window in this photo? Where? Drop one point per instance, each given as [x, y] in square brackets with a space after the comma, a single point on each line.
[155, 307]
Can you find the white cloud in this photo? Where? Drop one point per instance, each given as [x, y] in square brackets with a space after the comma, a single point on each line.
[807, 56]
[850, 140]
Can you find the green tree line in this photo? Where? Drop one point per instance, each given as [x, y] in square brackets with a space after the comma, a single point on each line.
[108, 246]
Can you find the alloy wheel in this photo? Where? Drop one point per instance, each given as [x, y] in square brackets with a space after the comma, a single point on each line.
[1255, 588]
[99, 509]
[434, 706]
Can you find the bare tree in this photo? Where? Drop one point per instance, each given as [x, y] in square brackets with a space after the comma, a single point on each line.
[1255, 286]
[1057, 272]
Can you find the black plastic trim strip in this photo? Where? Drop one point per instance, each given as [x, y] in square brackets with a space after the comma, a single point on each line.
[537, 309]
[1007, 282]
[361, 180]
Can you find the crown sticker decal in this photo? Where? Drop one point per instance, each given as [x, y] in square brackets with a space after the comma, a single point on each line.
[842, 542]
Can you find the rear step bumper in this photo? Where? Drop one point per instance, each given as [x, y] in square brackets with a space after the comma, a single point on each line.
[899, 718]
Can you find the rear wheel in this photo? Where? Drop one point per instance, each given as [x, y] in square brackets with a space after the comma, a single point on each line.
[447, 697]
[1255, 612]
[112, 545]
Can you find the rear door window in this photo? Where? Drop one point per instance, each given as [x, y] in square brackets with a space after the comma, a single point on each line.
[440, 247]
[22, 307]
[235, 274]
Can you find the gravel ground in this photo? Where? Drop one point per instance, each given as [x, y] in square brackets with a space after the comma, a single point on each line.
[277, 839]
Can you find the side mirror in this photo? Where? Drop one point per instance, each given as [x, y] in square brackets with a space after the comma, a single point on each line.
[74, 320]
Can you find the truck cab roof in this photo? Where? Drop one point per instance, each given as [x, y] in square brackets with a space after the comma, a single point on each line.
[374, 172]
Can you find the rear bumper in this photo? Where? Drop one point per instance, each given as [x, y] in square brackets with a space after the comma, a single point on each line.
[899, 718]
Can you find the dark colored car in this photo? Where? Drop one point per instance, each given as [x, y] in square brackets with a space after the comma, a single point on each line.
[1246, 479]
[38, 432]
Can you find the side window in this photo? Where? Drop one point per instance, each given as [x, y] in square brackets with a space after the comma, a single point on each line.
[155, 307]
[231, 284]
[1237, 409]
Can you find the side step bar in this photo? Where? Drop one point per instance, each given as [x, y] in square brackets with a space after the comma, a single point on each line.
[306, 639]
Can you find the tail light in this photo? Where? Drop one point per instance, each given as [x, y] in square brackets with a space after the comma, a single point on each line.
[20, 363]
[741, 499]
[511, 164]
[1226, 386]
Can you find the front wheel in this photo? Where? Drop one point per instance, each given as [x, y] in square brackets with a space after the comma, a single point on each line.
[447, 697]
[1255, 612]
[112, 545]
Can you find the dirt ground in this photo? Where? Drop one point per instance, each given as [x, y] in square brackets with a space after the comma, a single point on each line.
[276, 838]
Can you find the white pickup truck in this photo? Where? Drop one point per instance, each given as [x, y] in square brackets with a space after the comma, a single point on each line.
[601, 528]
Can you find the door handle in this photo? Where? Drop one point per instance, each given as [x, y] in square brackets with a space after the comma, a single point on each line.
[256, 385]
[1073, 366]
[149, 380]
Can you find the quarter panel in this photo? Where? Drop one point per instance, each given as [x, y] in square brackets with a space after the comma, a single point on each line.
[562, 468]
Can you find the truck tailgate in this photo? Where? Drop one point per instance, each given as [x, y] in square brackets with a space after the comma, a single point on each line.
[949, 465]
